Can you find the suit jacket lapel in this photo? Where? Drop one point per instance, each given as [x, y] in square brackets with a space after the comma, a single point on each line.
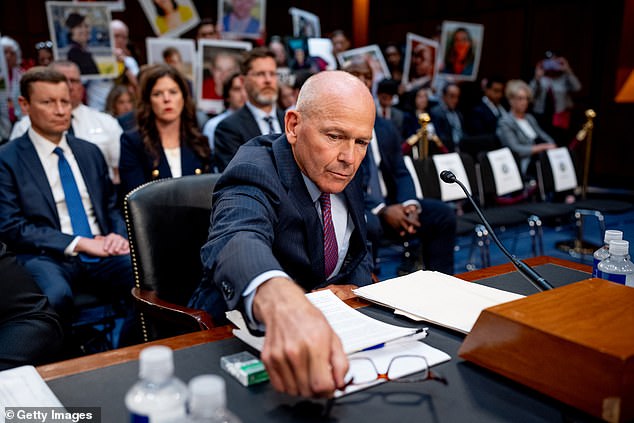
[251, 126]
[34, 166]
[291, 178]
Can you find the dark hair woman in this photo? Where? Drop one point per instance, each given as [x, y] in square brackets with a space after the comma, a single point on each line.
[167, 142]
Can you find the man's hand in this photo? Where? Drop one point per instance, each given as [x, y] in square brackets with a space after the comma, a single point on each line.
[402, 219]
[302, 354]
[103, 246]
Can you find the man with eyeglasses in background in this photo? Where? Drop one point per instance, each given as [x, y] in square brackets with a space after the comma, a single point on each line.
[260, 115]
[87, 123]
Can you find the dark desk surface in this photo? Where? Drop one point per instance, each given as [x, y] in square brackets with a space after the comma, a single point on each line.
[473, 394]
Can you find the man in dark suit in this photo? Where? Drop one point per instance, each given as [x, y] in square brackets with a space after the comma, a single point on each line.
[483, 119]
[392, 209]
[57, 204]
[287, 218]
[447, 119]
[259, 115]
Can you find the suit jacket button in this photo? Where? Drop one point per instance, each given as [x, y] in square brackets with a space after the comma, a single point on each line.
[227, 289]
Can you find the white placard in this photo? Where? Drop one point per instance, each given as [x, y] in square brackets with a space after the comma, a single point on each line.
[505, 171]
[452, 162]
[564, 174]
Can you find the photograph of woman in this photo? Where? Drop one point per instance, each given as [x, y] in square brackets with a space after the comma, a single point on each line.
[170, 18]
[462, 43]
[167, 143]
[78, 37]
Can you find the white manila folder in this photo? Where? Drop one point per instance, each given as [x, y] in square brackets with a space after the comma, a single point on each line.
[505, 171]
[452, 162]
[564, 174]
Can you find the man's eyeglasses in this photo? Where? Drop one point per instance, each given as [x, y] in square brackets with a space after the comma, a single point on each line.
[44, 44]
[402, 369]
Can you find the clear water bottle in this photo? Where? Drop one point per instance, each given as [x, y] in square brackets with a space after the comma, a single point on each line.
[208, 401]
[618, 267]
[603, 252]
[158, 396]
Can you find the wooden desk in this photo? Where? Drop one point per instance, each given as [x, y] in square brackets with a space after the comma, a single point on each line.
[122, 355]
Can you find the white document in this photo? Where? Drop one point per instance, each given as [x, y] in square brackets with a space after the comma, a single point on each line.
[24, 387]
[437, 298]
[564, 174]
[505, 171]
[355, 330]
[452, 162]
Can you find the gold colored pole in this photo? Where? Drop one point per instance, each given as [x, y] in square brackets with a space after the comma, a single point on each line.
[589, 126]
[423, 144]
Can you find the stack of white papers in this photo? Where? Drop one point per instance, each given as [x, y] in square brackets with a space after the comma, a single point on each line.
[24, 387]
[357, 333]
[437, 298]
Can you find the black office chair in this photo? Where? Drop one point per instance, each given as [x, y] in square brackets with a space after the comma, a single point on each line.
[168, 222]
[590, 207]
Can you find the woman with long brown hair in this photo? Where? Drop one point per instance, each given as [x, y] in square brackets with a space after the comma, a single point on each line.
[167, 142]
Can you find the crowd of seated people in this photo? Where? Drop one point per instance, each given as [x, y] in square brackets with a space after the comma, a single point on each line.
[151, 129]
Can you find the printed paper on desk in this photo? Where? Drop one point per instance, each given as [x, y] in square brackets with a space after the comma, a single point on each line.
[437, 298]
[24, 387]
[356, 330]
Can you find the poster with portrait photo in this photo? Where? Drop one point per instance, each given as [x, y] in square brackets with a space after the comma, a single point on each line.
[420, 62]
[81, 33]
[460, 50]
[170, 18]
[178, 53]
[218, 59]
[372, 54]
[305, 24]
[114, 5]
[241, 18]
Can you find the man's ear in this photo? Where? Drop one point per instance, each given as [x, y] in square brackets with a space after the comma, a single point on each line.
[24, 105]
[291, 123]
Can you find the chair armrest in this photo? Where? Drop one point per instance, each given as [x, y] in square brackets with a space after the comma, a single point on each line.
[149, 302]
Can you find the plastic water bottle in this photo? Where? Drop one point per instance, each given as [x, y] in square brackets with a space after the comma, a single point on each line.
[618, 267]
[208, 401]
[158, 396]
[603, 252]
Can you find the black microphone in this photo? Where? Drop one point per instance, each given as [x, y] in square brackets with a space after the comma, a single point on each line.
[528, 272]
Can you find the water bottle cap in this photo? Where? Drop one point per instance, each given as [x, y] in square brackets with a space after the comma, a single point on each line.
[611, 234]
[207, 394]
[619, 247]
[156, 363]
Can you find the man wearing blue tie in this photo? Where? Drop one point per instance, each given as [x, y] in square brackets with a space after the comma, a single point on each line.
[58, 208]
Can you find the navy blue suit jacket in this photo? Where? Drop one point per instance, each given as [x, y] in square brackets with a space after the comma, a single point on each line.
[29, 222]
[438, 117]
[234, 131]
[264, 219]
[482, 121]
[136, 167]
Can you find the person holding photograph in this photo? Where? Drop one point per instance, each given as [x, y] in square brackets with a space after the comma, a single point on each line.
[240, 19]
[167, 142]
[170, 15]
[79, 36]
[459, 54]
[223, 64]
[421, 72]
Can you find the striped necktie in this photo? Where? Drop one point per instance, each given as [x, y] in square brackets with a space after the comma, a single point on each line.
[331, 250]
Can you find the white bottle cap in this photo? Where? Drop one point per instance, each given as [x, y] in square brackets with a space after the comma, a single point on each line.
[156, 364]
[611, 234]
[619, 247]
[207, 394]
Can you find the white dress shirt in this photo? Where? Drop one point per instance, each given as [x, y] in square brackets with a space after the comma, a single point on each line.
[259, 116]
[50, 160]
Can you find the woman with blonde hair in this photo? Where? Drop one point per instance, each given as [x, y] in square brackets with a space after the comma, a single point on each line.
[519, 130]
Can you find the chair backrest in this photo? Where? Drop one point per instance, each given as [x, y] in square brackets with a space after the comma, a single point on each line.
[168, 222]
[428, 174]
[500, 174]
[556, 171]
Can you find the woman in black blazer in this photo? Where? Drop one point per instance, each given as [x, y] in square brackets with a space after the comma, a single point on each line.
[167, 142]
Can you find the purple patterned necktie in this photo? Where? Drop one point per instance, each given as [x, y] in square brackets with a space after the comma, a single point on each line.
[331, 251]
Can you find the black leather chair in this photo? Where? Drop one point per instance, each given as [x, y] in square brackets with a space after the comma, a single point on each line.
[168, 222]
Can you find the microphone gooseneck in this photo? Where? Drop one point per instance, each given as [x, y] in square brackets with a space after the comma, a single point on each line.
[528, 272]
